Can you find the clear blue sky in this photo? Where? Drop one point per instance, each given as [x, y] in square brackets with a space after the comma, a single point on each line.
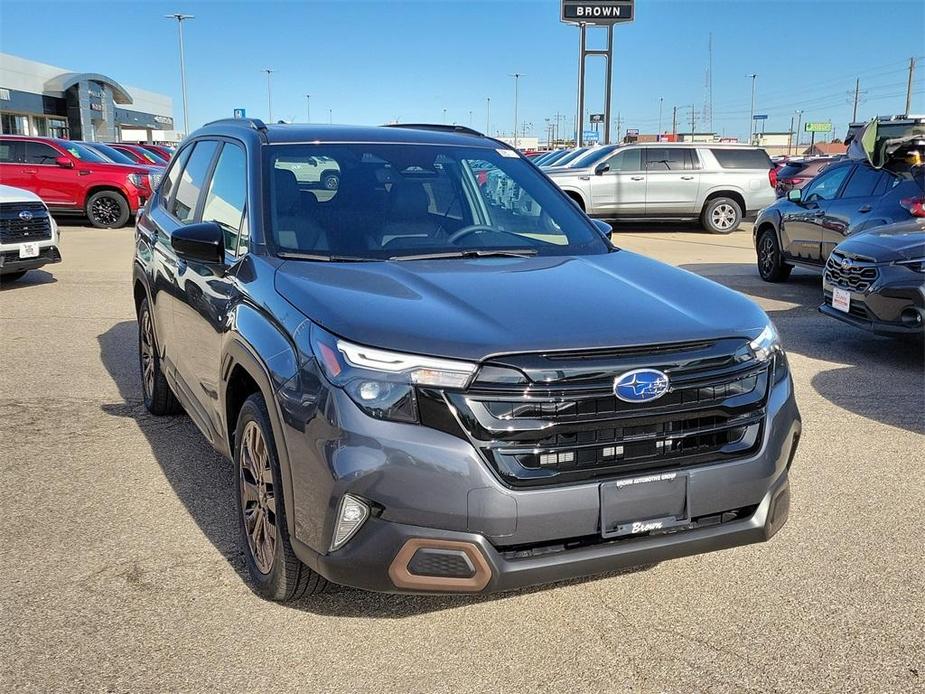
[372, 62]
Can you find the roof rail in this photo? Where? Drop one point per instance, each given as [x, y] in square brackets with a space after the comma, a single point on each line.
[254, 123]
[438, 127]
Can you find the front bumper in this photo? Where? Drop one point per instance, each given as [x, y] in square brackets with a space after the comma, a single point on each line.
[11, 262]
[430, 485]
[887, 308]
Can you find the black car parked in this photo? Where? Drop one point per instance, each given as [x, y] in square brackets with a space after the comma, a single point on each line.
[849, 196]
[876, 280]
[439, 375]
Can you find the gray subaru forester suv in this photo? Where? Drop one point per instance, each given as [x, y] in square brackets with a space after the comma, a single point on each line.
[438, 375]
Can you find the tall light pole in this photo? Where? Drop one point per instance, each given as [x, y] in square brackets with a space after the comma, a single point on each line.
[180, 17]
[660, 100]
[799, 120]
[516, 76]
[330, 116]
[751, 115]
[488, 116]
[308, 108]
[444, 116]
[470, 118]
[269, 72]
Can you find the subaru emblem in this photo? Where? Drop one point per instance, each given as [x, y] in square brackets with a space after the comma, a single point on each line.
[25, 215]
[846, 264]
[641, 385]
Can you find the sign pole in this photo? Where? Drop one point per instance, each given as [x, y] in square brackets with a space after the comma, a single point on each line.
[608, 86]
[580, 114]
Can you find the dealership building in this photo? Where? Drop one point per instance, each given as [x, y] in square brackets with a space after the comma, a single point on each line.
[49, 101]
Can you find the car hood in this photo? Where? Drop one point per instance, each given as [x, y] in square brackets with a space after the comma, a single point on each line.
[11, 194]
[474, 308]
[900, 241]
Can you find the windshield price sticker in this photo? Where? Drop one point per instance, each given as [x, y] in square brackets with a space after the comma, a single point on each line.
[510, 153]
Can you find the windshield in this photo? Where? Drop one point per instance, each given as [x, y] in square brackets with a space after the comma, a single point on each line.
[152, 157]
[555, 156]
[593, 157]
[383, 201]
[113, 155]
[84, 153]
[571, 156]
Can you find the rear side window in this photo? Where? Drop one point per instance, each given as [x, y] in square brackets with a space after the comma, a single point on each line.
[862, 183]
[743, 158]
[40, 153]
[791, 170]
[225, 200]
[192, 179]
[669, 159]
[10, 152]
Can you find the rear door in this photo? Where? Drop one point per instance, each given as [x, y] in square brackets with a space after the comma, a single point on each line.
[12, 170]
[57, 185]
[853, 206]
[672, 181]
[621, 189]
[802, 223]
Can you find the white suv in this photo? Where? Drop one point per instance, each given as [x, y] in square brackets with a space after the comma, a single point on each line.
[716, 183]
[28, 234]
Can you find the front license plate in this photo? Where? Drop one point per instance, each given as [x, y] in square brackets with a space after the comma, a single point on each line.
[29, 250]
[841, 300]
[645, 503]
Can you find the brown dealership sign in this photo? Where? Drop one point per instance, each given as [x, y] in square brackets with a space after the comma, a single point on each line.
[597, 11]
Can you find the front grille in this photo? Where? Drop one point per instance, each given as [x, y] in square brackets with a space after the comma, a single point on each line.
[852, 274]
[15, 229]
[567, 425]
[856, 308]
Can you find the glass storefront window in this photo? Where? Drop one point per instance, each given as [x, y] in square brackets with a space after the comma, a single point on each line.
[13, 124]
[57, 127]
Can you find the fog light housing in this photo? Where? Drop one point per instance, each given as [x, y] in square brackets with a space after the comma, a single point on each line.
[351, 515]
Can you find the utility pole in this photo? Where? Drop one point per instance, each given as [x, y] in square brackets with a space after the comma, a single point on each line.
[799, 121]
[619, 125]
[909, 86]
[674, 120]
[790, 139]
[660, 100]
[269, 71]
[308, 108]
[180, 18]
[488, 116]
[516, 77]
[857, 95]
[751, 115]
[692, 122]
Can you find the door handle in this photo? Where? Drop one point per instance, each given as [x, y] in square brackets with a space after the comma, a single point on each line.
[637, 178]
[687, 178]
[864, 208]
[30, 171]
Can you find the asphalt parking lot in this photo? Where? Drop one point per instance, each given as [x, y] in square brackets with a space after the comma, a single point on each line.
[120, 571]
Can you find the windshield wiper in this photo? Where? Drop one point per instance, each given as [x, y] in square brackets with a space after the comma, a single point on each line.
[292, 255]
[471, 253]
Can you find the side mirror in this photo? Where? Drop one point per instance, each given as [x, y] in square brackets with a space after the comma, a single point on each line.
[203, 242]
[601, 169]
[603, 227]
[64, 162]
[795, 195]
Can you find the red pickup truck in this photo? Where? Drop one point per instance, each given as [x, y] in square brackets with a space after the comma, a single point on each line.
[70, 177]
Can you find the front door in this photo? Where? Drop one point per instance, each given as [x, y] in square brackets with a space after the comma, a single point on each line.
[672, 181]
[620, 190]
[802, 222]
[57, 185]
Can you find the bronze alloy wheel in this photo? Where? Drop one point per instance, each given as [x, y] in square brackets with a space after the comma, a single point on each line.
[258, 499]
[146, 353]
[105, 210]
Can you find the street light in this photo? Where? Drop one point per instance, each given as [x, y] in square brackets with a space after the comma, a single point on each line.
[488, 115]
[180, 17]
[269, 71]
[444, 116]
[660, 100]
[751, 115]
[308, 108]
[799, 121]
[516, 76]
[330, 116]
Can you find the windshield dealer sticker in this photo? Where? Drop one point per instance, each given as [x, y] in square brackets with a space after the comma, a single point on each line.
[508, 153]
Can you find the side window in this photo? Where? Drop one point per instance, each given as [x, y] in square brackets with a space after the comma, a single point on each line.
[825, 186]
[227, 189]
[667, 159]
[40, 153]
[862, 182]
[192, 179]
[170, 180]
[885, 184]
[627, 160]
[734, 158]
[10, 152]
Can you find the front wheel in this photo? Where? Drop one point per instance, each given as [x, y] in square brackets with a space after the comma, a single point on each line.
[721, 216]
[771, 265]
[107, 209]
[275, 571]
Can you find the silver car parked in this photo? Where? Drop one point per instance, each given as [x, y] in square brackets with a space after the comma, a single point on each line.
[717, 183]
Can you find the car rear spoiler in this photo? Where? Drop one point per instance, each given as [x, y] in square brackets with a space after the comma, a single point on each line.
[883, 142]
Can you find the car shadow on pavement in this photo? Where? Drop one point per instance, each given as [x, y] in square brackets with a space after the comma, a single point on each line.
[862, 364]
[31, 278]
[204, 482]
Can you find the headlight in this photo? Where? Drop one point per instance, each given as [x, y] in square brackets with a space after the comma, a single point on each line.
[916, 264]
[381, 382]
[137, 179]
[766, 344]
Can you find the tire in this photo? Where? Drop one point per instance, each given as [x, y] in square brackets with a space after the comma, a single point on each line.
[158, 398]
[13, 276]
[274, 570]
[771, 265]
[721, 216]
[107, 209]
[330, 181]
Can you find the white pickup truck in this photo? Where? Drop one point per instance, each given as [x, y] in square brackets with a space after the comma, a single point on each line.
[28, 234]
